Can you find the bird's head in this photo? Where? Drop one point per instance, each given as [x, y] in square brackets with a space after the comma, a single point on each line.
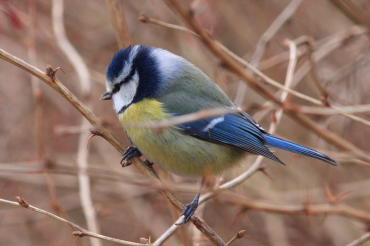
[138, 72]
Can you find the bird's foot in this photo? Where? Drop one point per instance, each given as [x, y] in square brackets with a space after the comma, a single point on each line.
[130, 153]
[189, 210]
[149, 163]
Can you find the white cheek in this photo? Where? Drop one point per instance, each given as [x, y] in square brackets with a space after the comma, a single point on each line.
[126, 94]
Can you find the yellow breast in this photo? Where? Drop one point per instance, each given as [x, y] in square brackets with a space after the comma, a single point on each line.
[170, 148]
[142, 112]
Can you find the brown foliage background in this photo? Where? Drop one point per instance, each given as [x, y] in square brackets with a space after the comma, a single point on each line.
[39, 130]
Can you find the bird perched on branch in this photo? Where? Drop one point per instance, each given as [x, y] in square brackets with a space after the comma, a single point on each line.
[150, 84]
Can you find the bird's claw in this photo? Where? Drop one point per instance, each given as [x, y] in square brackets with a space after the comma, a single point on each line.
[130, 153]
[190, 209]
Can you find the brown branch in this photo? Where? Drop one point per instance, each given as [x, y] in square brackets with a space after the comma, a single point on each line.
[177, 120]
[117, 14]
[305, 209]
[362, 108]
[330, 136]
[38, 95]
[309, 42]
[271, 31]
[208, 231]
[355, 14]
[49, 78]
[238, 235]
[231, 63]
[262, 43]
[361, 240]
[22, 203]
[150, 20]
[83, 73]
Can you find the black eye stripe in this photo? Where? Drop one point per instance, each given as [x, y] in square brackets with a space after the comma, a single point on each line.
[117, 86]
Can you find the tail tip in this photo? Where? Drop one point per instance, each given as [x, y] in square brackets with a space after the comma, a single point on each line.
[330, 161]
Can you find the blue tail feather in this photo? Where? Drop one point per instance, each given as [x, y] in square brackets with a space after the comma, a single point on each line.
[296, 148]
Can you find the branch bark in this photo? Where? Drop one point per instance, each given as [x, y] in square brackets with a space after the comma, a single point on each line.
[83, 232]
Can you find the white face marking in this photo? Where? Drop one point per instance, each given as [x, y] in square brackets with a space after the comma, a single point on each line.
[213, 123]
[126, 94]
[128, 64]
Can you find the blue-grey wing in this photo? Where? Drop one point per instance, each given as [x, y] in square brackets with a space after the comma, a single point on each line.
[232, 129]
[192, 91]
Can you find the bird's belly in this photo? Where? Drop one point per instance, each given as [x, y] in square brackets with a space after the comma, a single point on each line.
[173, 150]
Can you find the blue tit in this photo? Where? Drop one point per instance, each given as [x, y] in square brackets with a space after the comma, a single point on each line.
[150, 84]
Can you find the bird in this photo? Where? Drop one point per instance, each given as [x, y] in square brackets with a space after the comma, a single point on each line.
[149, 84]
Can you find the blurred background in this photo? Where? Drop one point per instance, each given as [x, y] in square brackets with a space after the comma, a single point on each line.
[40, 132]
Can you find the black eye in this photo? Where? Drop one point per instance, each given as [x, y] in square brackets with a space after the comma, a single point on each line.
[117, 86]
[129, 76]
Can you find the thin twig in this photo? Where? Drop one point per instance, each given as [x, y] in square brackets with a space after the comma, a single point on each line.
[230, 62]
[22, 203]
[36, 90]
[238, 235]
[117, 14]
[356, 14]
[290, 209]
[271, 31]
[197, 234]
[364, 108]
[361, 240]
[262, 43]
[146, 19]
[177, 120]
[53, 82]
[82, 71]
[38, 95]
[308, 41]
[208, 231]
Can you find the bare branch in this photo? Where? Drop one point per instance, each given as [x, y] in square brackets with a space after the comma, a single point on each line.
[361, 240]
[238, 235]
[364, 108]
[64, 92]
[82, 71]
[117, 14]
[289, 209]
[146, 19]
[271, 31]
[24, 204]
[262, 43]
[356, 14]
[177, 120]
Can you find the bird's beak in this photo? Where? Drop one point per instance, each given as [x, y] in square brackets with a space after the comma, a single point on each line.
[106, 96]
